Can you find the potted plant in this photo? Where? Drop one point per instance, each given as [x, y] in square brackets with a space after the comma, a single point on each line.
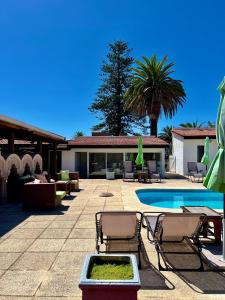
[110, 276]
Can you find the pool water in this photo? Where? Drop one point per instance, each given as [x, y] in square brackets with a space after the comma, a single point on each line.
[174, 198]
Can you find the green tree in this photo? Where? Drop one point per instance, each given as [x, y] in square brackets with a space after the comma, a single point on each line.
[211, 124]
[194, 124]
[166, 134]
[109, 102]
[77, 134]
[154, 92]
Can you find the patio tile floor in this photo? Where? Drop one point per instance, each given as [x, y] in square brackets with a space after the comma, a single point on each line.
[41, 254]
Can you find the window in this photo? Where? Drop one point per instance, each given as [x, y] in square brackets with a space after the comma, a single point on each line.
[200, 153]
[115, 162]
[97, 164]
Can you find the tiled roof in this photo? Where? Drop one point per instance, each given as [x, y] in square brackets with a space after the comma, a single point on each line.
[19, 142]
[195, 132]
[116, 141]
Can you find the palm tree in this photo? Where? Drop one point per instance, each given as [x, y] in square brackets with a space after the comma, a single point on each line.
[195, 124]
[77, 134]
[211, 124]
[153, 91]
[166, 134]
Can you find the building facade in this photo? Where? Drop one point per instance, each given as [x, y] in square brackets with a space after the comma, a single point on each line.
[188, 146]
[92, 156]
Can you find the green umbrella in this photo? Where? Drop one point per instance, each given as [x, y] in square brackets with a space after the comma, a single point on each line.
[215, 178]
[205, 157]
[139, 159]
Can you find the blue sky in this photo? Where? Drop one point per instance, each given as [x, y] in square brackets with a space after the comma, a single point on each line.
[51, 53]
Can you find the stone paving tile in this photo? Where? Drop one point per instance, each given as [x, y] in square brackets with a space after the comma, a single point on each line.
[63, 283]
[85, 224]
[2, 272]
[69, 260]
[7, 259]
[62, 224]
[26, 233]
[67, 218]
[38, 224]
[15, 245]
[56, 298]
[79, 245]
[20, 283]
[46, 245]
[15, 298]
[34, 261]
[40, 218]
[55, 233]
[77, 233]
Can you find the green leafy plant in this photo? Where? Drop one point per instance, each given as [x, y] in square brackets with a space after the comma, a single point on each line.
[153, 91]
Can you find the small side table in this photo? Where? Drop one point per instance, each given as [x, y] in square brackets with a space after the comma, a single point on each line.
[212, 216]
[142, 176]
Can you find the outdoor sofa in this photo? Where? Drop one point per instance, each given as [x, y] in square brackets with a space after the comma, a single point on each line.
[67, 181]
[38, 196]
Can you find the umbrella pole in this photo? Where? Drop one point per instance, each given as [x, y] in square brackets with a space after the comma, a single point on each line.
[223, 258]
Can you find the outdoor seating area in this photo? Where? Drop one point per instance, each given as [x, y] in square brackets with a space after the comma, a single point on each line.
[145, 174]
[196, 171]
[44, 251]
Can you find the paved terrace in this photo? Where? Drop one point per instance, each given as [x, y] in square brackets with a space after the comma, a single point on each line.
[41, 254]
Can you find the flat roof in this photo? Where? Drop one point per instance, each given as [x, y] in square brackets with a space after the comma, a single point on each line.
[116, 142]
[195, 133]
[24, 131]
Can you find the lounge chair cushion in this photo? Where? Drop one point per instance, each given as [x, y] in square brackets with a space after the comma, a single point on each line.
[74, 184]
[65, 175]
[60, 195]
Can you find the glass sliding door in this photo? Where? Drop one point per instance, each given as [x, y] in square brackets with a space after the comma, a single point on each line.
[81, 164]
[97, 164]
[115, 162]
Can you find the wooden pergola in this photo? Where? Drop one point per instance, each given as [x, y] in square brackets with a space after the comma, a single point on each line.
[14, 130]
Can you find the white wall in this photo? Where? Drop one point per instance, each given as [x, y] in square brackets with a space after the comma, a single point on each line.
[190, 151]
[68, 160]
[178, 153]
[68, 156]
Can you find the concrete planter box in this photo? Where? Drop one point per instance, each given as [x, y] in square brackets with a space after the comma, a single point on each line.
[109, 289]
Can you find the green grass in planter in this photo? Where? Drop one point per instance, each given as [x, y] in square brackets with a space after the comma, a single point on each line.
[110, 271]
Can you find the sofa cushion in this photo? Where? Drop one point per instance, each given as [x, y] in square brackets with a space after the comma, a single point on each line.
[65, 175]
[60, 195]
[41, 177]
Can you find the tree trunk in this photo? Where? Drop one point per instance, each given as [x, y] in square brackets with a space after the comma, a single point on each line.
[153, 126]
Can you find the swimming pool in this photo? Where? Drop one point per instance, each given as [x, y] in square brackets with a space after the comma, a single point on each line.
[174, 198]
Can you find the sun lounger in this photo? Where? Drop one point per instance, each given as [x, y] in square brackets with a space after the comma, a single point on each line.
[152, 170]
[118, 232]
[128, 170]
[174, 235]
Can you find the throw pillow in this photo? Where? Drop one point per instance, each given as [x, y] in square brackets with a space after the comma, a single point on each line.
[41, 177]
[65, 175]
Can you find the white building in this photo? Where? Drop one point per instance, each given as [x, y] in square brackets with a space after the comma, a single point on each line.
[91, 156]
[188, 146]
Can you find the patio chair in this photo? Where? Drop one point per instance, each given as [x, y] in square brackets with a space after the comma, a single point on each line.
[128, 170]
[119, 232]
[174, 236]
[192, 169]
[152, 170]
[202, 169]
